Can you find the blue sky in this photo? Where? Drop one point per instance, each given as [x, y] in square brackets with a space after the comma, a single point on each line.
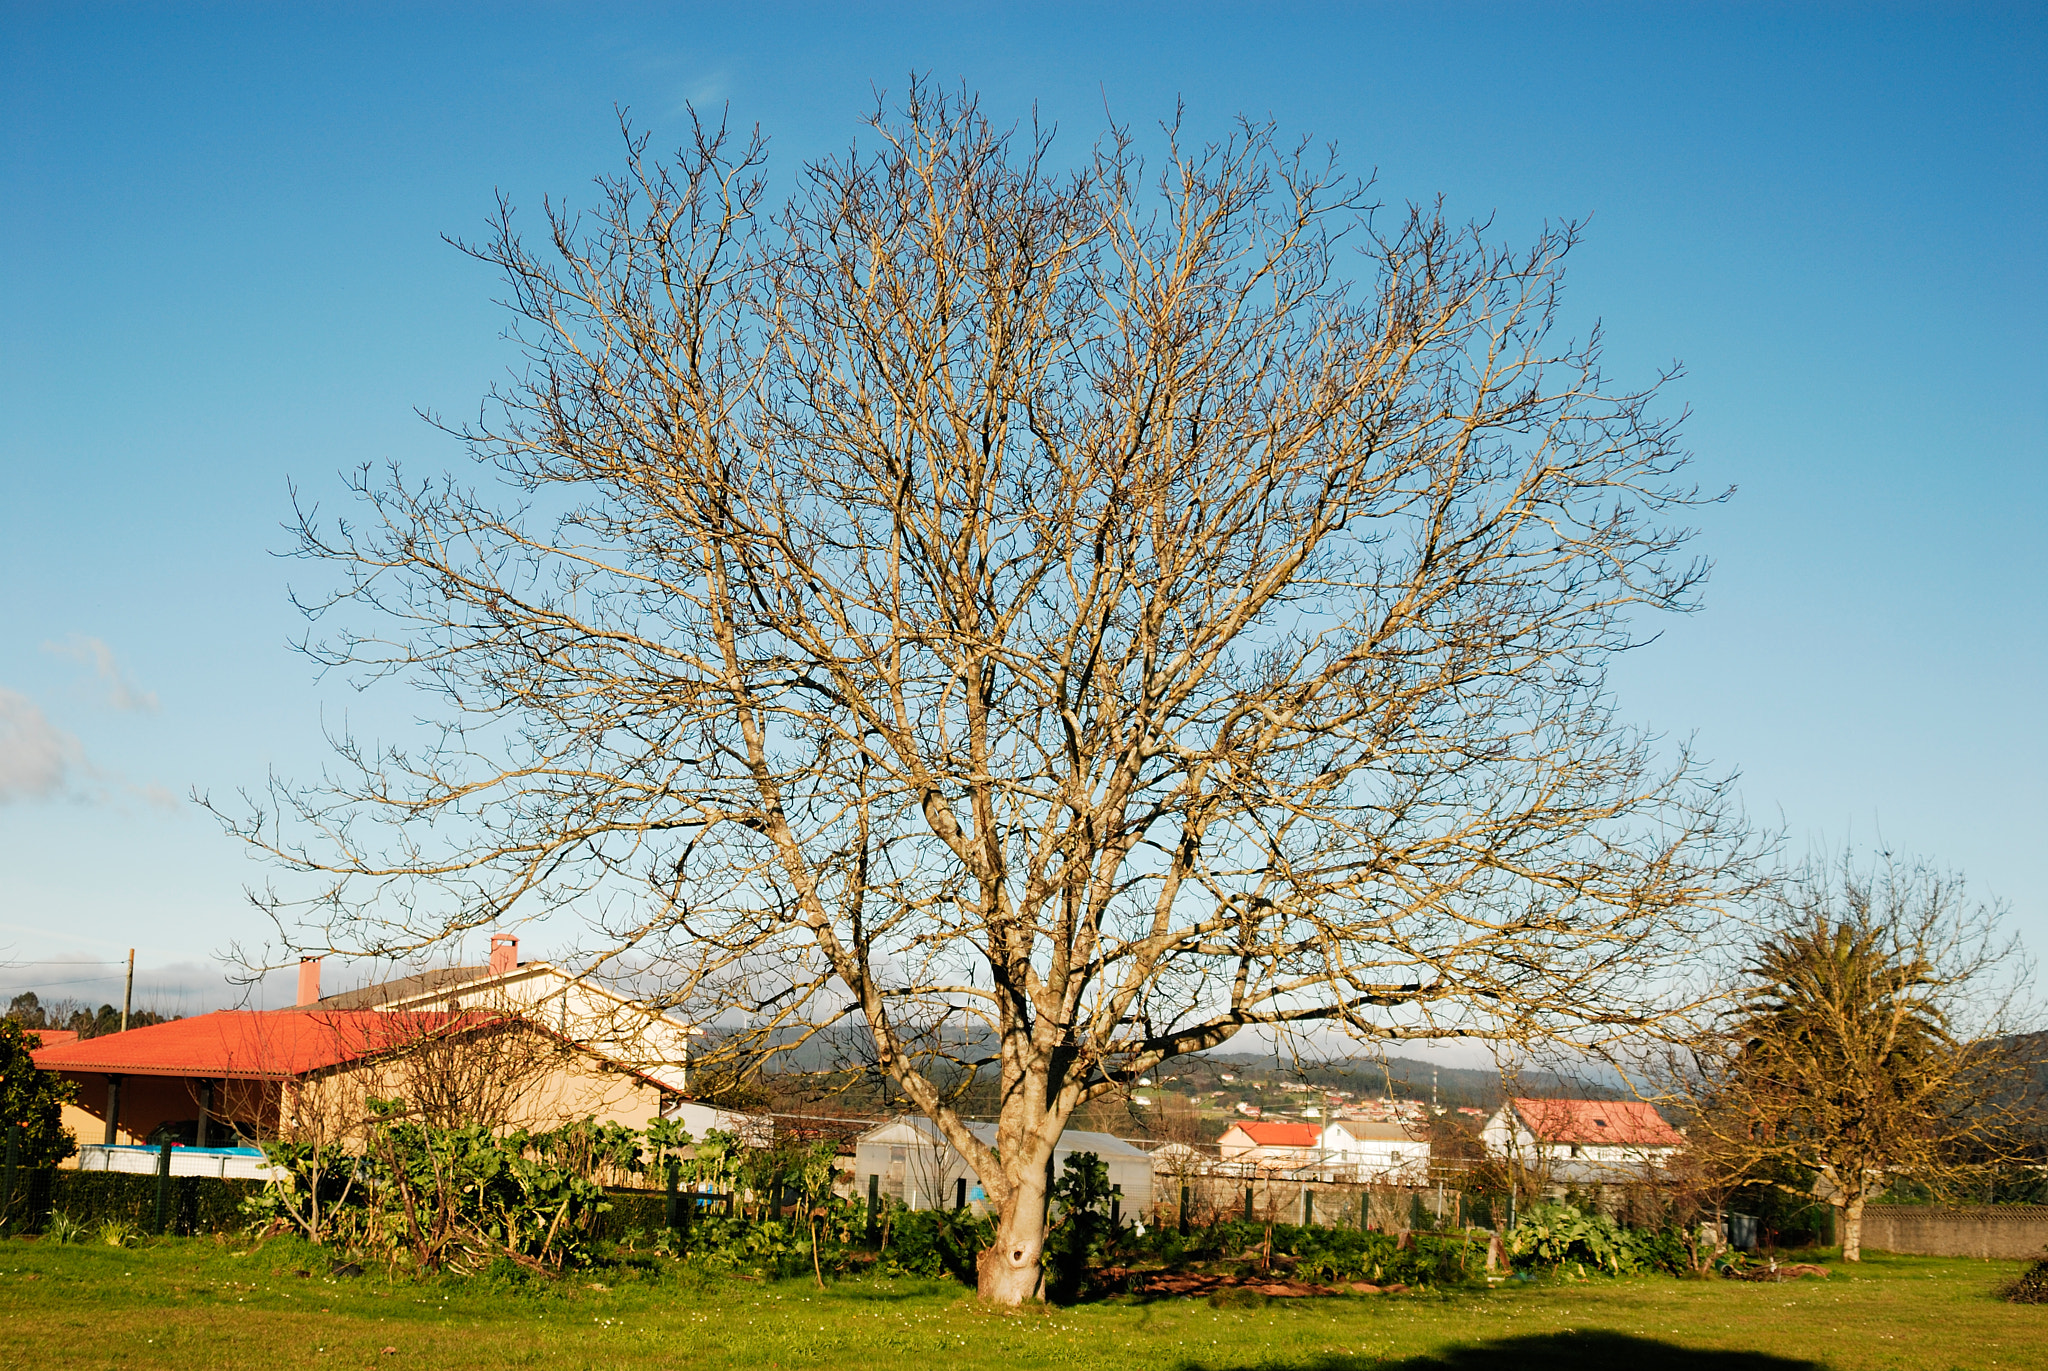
[221, 272]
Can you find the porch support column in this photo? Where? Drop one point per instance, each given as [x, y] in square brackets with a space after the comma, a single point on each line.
[113, 1107]
[205, 1111]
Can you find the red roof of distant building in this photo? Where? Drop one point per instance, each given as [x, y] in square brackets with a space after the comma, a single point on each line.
[51, 1037]
[1618, 1123]
[248, 1044]
[1280, 1134]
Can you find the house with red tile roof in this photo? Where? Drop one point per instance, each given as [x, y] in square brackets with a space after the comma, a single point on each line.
[1270, 1144]
[218, 1079]
[1582, 1142]
[247, 1074]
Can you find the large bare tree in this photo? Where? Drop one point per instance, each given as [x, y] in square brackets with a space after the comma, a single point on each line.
[1056, 615]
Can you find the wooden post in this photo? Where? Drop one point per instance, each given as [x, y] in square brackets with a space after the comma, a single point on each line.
[205, 1113]
[1308, 1207]
[675, 1213]
[163, 1181]
[128, 991]
[1184, 1195]
[1116, 1206]
[1247, 1202]
[113, 1108]
[874, 1204]
[959, 1193]
[1364, 1209]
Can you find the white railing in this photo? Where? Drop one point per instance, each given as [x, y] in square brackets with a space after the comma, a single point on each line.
[226, 1163]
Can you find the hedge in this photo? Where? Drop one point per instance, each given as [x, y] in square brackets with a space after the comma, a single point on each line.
[198, 1204]
[209, 1204]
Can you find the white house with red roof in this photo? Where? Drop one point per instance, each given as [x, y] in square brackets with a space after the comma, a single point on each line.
[1270, 1144]
[1582, 1142]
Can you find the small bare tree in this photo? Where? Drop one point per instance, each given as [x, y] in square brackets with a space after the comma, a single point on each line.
[1061, 603]
[474, 1067]
[1875, 1040]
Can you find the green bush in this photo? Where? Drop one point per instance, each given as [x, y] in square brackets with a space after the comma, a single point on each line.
[1329, 1254]
[1556, 1235]
[935, 1243]
[435, 1197]
[32, 1103]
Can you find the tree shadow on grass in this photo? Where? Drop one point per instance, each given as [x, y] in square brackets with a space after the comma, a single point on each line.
[1591, 1351]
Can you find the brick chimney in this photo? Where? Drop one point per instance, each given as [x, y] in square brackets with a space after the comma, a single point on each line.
[309, 979]
[504, 953]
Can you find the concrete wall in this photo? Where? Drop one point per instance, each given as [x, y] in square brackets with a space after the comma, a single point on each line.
[2004, 1230]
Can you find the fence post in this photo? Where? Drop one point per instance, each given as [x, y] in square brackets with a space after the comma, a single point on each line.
[163, 1182]
[1116, 1206]
[874, 1202]
[1184, 1209]
[959, 1193]
[1308, 1207]
[1364, 1209]
[7, 1176]
[1247, 1203]
[674, 1209]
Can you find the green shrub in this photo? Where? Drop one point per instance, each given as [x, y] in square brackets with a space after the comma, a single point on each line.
[32, 1101]
[935, 1243]
[1554, 1235]
[1081, 1232]
[435, 1197]
[1328, 1254]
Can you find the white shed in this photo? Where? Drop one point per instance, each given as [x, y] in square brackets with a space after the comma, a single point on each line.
[914, 1164]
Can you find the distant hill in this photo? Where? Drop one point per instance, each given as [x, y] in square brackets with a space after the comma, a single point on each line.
[1404, 1077]
[827, 1076]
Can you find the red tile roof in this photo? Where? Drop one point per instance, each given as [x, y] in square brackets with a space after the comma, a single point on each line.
[1280, 1134]
[241, 1044]
[1617, 1123]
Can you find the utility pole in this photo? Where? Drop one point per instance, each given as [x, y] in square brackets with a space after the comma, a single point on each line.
[128, 992]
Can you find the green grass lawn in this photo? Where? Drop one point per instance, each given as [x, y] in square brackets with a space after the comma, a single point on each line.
[194, 1303]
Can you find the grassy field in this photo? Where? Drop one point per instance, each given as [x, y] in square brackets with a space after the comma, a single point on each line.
[193, 1303]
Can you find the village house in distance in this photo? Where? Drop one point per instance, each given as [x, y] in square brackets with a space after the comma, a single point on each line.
[1581, 1144]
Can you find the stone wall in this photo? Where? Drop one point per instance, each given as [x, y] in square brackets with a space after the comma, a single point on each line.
[2001, 1230]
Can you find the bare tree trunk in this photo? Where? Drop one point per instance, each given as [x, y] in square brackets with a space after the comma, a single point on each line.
[1852, 1230]
[1009, 1273]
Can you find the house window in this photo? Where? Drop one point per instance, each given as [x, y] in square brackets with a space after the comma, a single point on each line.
[897, 1154]
[1575, 1149]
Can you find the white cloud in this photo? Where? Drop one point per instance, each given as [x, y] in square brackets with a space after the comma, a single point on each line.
[37, 758]
[122, 692]
[705, 92]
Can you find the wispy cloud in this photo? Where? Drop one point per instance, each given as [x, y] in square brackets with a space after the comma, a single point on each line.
[122, 692]
[704, 92]
[38, 760]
